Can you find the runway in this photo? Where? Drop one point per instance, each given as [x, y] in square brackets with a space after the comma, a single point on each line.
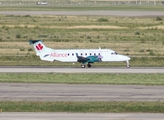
[93, 12]
[75, 92]
[81, 70]
[80, 116]
[85, 92]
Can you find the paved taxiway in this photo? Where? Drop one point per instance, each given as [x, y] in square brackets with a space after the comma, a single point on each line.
[81, 70]
[93, 12]
[71, 92]
[80, 116]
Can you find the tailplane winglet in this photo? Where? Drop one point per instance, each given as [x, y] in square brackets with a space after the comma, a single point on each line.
[34, 41]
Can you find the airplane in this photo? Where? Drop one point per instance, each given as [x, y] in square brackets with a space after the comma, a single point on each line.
[83, 56]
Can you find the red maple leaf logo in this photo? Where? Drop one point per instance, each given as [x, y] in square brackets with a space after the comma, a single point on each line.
[39, 47]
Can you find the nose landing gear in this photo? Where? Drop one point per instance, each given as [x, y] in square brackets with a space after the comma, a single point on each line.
[127, 64]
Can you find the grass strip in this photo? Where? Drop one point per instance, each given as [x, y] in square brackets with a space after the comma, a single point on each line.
[97, 107]
[132, 36]
[83, 78]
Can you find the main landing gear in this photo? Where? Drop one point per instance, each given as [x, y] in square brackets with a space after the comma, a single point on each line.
[82, 66]
[127, 64]
[88, 65]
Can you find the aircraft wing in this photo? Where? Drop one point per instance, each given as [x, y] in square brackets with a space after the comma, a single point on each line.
[82, 59]
[88, 59]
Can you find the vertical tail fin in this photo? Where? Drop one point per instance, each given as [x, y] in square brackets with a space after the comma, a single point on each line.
[39, 47]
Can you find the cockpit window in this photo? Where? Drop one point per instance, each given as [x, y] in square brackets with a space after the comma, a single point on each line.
[114, 53]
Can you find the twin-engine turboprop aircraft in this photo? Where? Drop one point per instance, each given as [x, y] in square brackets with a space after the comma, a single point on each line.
[83, 56]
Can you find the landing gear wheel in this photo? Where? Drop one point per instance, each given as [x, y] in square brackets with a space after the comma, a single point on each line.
[82, 66]
[128, 66]
[89, 65]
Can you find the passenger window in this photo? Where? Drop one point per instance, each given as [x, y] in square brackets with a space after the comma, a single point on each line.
[72, 54]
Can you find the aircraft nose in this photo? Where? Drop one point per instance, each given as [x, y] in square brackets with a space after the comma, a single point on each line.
[126, 58]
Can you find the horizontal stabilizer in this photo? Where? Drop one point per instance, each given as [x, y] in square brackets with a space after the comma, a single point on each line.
[46, 58]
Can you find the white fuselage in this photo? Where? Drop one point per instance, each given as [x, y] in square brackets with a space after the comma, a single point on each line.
[69, 55]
